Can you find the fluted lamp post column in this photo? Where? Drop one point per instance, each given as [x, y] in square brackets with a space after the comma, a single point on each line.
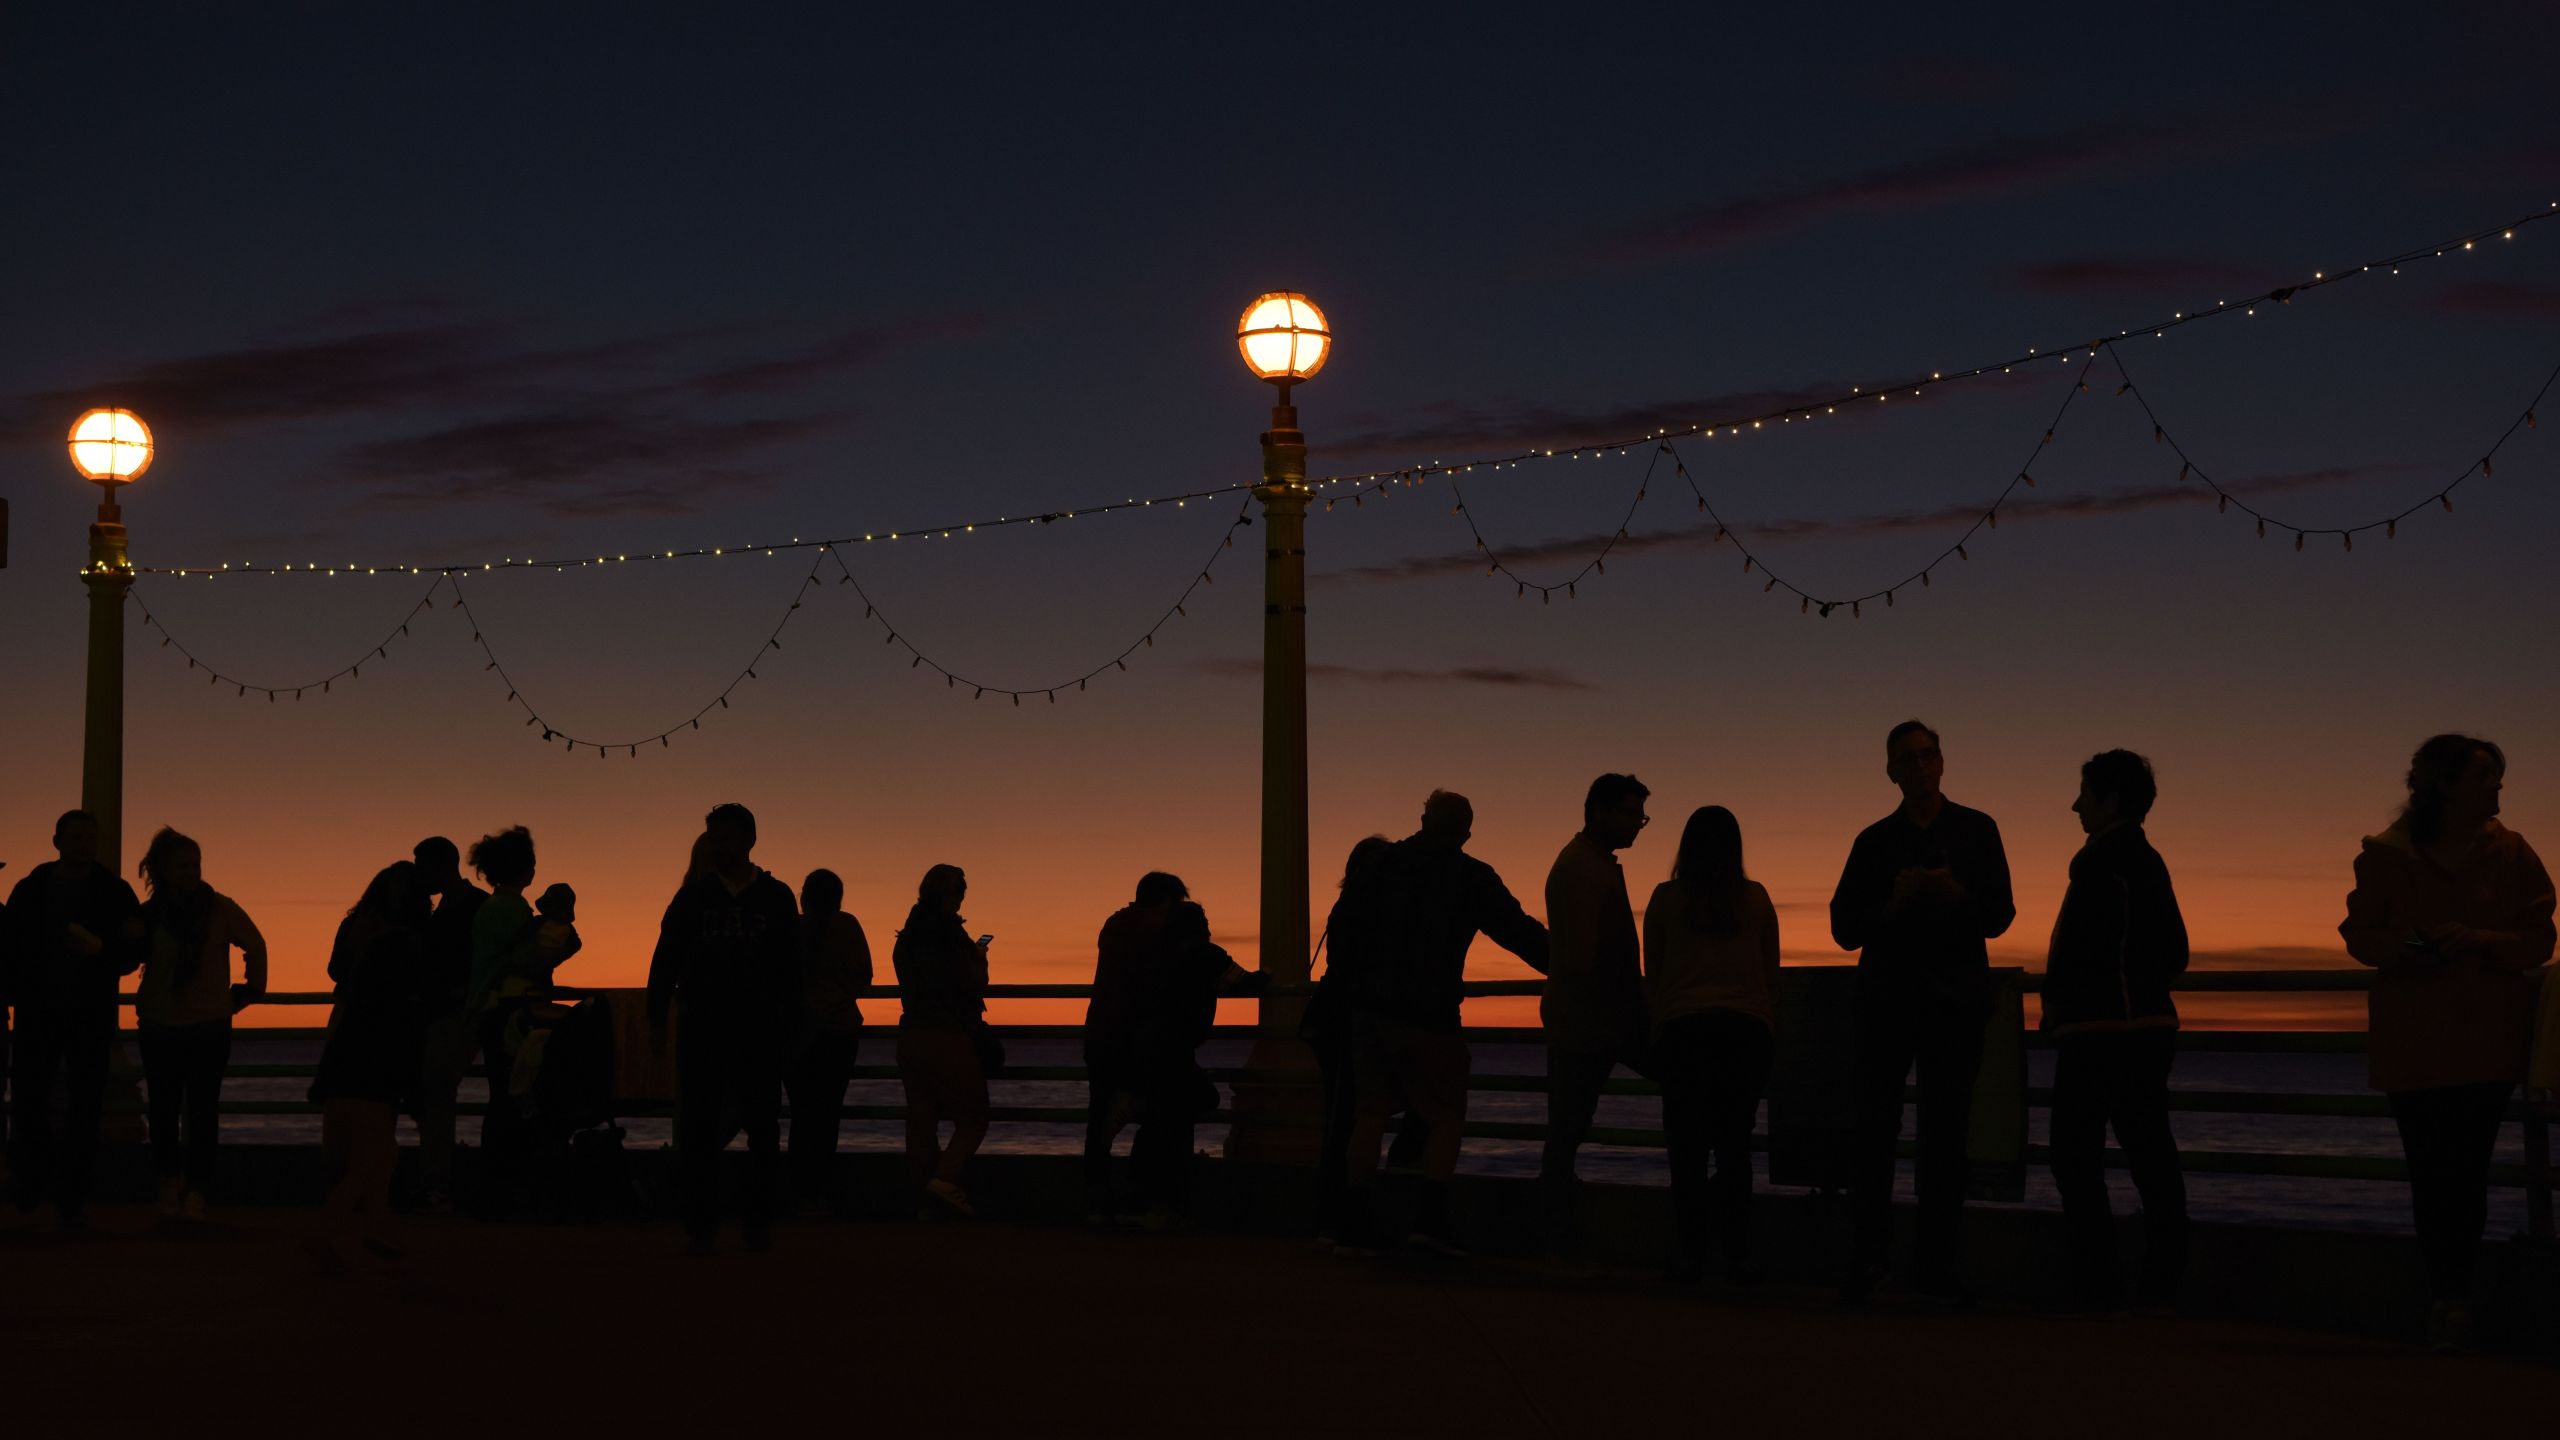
[1284, 339]
[110, 448]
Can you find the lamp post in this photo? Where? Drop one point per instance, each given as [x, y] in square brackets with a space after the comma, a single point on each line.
[109, 447]
[1284, 339]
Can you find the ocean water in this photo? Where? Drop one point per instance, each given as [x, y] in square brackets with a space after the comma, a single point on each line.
[2323, 1204]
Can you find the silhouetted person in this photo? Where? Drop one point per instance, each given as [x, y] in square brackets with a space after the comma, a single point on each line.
[2118, 943]
[1593, 1008]
[1710, 972]
[728, 955]
[2454, 909]
[380, 964]
[183, 1013]
[942, 998]
[503, 962]
[835, 966]
[74, 930]
[1923, 889]
[1156, 980]
[1354, 939]
[449, 1039]
[1407, 985]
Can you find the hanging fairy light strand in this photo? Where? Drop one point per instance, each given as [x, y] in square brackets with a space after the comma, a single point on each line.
[2389, 525]
[380, 650]
[979, 690]
[1599, 561]
[663, 738]
[1808, 602]
[1380, 479]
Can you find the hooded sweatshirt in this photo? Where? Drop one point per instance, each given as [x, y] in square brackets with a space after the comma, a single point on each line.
[2466, 1019]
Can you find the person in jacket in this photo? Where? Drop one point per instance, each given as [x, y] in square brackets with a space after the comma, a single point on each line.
[1157, 976]
[1409, 1051]
[74, 930]
[2454, 910]
[380, 966]
[1593, 1006]
[942, 998]
[1710, 973]
[835, 967]
[1923, 889]
[728, 956]
[183, 1011]
[2118, 943]
[446, 1051]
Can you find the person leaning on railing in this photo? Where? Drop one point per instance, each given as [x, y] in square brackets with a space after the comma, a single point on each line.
[2118, 942]
[2454, 910]
[183, 1010]
[369, 1065]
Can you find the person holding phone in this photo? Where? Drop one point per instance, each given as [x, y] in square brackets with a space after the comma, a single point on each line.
[1924, 888]
[943, 1041]
[2455, 912]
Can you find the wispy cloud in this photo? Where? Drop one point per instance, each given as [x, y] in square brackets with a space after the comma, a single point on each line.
[1574, 549]
[1503, 677]
[2504, 298]
[1453, 428]
[2163, 275]
[652, 423]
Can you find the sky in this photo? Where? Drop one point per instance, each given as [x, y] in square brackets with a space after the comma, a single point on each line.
[428, 285]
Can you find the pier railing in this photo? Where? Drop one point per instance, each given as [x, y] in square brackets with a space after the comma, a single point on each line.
[2534, 1175]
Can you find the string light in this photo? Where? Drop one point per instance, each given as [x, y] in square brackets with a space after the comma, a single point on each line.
[1377, 480]
[380, 649]
[1598, 562]
[2389, 524]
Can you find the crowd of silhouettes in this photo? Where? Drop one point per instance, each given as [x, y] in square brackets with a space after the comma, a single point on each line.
[757, 994]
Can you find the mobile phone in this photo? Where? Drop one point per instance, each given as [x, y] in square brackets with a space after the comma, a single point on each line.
[985, 940]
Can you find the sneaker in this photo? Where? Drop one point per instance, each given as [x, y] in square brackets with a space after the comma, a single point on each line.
[951, 1198]
[436, 1202]
[1355, 1250]
[171, 1188]
[1946, 1292]
[191, 1206]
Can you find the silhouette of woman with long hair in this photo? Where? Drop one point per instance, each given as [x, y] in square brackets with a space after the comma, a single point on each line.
[369, 1066]
[2454, 909]
[1710, 974]
[942, 990]
[183, 1010]
[1354, 937]
[835, 966]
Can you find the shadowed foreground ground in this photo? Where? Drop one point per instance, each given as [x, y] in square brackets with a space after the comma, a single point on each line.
[610, 1331]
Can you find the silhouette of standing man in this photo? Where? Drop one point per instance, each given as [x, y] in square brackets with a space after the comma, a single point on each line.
[1923, 889]
[728, 952]
[1594, 1007]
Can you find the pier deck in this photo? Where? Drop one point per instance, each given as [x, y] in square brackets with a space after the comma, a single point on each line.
[1026, 1329]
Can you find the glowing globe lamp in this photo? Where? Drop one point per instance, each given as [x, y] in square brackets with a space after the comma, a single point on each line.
[1283, 337]
[110, 446]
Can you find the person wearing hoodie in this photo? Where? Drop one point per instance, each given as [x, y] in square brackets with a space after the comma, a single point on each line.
[2454, 911]
[74, 930]
[2117, 944]
[728, 953]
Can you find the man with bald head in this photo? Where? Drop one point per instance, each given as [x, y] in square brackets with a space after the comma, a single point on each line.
[1409, 1054]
